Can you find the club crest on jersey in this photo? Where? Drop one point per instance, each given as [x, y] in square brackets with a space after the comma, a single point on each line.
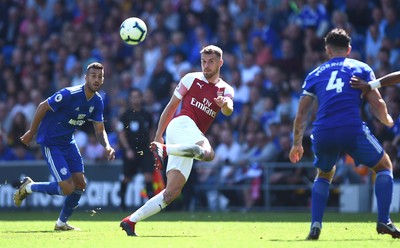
[220, 91]
[91, 109]
[64, 171]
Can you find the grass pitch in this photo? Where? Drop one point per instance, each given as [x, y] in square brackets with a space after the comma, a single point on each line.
[184, 229]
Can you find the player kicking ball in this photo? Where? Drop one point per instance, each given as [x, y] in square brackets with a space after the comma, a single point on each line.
[203, 95]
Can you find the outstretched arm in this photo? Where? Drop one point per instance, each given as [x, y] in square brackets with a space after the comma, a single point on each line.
[378, 107]
[296, 152]
[102, 137]
[41, 111]
[166, 117]
[387, 80]
[226, 104]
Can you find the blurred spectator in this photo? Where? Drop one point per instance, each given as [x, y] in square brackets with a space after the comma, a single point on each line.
[359, 13]
[263, 51]
[242, 91]
[93, 150]
[373, 44]
[19, 125]
[391, 30]
[314, 14]
[249, 68]
[227, 154]
[9, 30]
[140, 77]
[160, 82]
[177, 65]
[24, 105]
[6, 153]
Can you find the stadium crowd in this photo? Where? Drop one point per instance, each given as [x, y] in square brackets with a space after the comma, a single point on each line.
[269, 47]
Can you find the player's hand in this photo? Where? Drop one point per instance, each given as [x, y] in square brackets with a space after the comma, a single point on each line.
[220, 101]
[110, 153]
[296, 152]
[159, 140]
[27, 138]
[389, 121]
[358, 83]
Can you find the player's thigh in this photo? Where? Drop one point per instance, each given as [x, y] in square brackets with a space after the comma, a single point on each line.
[56, 162]
[326, 152]
[74, 159]
[183, 130]
[182, 164]
[368, 150]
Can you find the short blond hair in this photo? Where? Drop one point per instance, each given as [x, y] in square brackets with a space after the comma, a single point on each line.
[211, 49]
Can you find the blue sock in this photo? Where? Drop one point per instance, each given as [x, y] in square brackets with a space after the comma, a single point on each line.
[383, 193]
[50, 188]
[320, 194]
[71, 202]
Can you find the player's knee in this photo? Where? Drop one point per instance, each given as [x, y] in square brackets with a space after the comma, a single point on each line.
[80, 185]
[384, 164]
[326, 175]
[171, 195]
[67, 189]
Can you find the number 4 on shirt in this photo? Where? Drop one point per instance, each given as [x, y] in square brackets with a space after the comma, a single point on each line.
[335, 83]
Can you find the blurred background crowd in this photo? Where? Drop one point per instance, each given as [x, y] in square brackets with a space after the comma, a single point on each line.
[269, 47]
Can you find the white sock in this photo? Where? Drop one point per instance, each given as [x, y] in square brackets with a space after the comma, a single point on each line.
[60, 223]
[151, 207]
[183, 150]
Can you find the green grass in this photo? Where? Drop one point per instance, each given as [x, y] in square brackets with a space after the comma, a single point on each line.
[182, 229]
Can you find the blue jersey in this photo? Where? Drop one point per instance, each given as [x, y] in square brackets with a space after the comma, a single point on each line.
[338, 103]
[70, 110]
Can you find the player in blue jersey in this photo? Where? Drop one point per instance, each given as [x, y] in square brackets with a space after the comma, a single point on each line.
[55, 122]
[338, 128]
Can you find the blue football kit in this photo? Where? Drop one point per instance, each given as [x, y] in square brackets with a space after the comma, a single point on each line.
[70, 110]
[338, 127]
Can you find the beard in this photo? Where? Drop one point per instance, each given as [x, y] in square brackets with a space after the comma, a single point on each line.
[209, 74]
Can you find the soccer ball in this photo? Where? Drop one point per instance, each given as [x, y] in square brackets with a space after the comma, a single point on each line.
[133, 31]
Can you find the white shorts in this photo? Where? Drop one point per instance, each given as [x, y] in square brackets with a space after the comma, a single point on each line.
[182, 130]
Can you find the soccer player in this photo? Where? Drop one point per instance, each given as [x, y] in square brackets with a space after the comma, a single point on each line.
[338, 128]
[203, 95]
[387, 80]
[135, 128]
[55, 121]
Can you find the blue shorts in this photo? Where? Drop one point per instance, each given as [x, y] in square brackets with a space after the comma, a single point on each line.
[63, 160]
[329, 145]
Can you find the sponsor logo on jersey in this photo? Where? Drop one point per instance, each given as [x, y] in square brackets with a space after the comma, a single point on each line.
[200, 85]
[76, 122]
[204, 106]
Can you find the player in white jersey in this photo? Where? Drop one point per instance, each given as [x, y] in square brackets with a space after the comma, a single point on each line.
[203, 95]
